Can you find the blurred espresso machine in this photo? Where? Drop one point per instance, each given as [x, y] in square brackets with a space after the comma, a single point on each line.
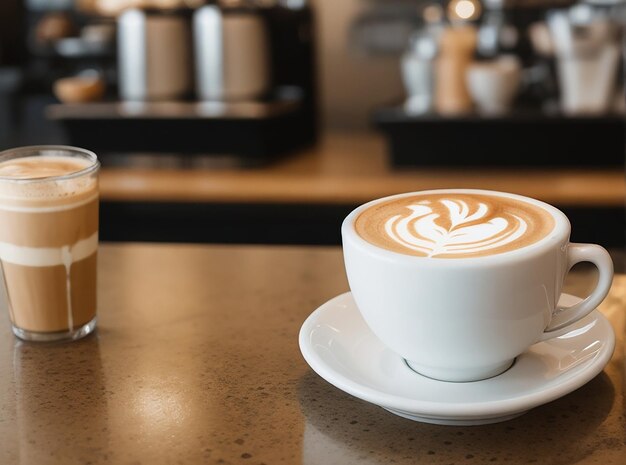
[226, 77]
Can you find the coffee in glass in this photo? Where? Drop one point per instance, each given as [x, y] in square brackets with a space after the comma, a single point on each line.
[49, 240]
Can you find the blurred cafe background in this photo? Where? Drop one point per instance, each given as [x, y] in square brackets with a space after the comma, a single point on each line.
[267, 121]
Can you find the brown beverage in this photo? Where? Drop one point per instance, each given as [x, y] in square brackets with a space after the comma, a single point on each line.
[49, 240]
[453, 225]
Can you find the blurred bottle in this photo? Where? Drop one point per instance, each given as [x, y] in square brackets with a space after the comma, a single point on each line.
[418, 73]
[496, 34]
[418, 61]
[456, 52]
[588, 52]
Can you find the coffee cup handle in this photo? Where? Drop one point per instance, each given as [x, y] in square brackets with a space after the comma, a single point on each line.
[577, 253]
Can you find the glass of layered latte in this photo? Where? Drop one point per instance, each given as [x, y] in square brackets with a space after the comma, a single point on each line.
[49, 240]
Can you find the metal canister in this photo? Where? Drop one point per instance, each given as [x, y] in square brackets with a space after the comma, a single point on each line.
[231, 53]
[154, 54]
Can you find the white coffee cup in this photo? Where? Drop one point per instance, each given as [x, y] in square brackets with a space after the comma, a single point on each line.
[493, 85]
[466, 319]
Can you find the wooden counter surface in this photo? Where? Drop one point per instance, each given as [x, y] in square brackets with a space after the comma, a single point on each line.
[196, 361]
[345, 169]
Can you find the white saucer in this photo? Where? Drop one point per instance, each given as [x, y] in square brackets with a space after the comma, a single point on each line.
[339, 346]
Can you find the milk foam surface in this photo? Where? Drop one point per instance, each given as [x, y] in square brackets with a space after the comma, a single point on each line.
[30, 183]
[41, 167]
[453, 225]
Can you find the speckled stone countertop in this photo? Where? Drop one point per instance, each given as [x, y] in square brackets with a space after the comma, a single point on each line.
[196, 361]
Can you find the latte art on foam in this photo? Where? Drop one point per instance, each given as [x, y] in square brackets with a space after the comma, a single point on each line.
[419, 229]
[453, 225]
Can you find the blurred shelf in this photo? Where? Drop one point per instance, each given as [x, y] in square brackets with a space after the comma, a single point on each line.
[398, 113]
[521, 138]
[170, 110]
[255, 132]
[349, 170]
